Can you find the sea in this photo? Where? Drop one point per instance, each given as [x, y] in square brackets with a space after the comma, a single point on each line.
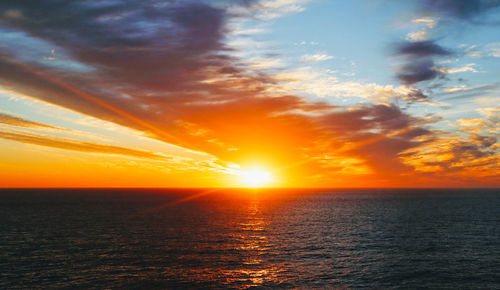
[244, 238]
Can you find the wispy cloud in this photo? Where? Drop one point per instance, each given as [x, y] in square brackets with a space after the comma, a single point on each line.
[313, 58]
[20, 122]
[429, 22]
[266, 9]
[466, 68]
[493, 49]
[76, 145]
[456, 89]
[420, 35]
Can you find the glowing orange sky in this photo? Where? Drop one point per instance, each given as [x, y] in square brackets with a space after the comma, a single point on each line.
[176, 96]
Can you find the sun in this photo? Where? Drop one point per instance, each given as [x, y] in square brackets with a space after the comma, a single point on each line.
[255, 177]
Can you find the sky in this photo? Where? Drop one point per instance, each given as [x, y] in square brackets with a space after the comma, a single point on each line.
[364, 93]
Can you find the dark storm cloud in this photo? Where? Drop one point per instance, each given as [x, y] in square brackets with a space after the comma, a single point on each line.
[142, 42]
[419, 49]
[460, 9]
[419, 58]
[418, 71]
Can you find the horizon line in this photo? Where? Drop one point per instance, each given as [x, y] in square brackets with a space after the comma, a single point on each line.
[244, 188]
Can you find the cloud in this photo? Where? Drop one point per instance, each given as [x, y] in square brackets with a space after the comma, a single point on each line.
[472, 154]
[312, 58]
[420, 54]
[306, 43]
[488, 50]
[20, 122]
[156, 44]
[468, 67]
[429, 22]
[266, 9]
[456, 89]
[419, 57]
[320, 84]
[415, 95]
[476, 91]
[418, 71]
[456, 159]
[421, 49]
[470, 10]
[493, 49]
[376, 134]
[269, 9]
[420, 35]
[76, 145]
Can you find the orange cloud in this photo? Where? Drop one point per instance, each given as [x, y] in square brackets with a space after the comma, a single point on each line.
[20, 122]
[76, 145]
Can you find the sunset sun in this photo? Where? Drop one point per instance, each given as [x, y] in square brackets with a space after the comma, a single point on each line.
[255, 177]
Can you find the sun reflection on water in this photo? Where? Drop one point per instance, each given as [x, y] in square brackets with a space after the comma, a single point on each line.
[256, 246]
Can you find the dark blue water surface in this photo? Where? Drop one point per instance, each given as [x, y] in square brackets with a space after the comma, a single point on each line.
[242, 238]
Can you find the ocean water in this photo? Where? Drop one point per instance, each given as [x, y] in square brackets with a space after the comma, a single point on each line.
[147, 239]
